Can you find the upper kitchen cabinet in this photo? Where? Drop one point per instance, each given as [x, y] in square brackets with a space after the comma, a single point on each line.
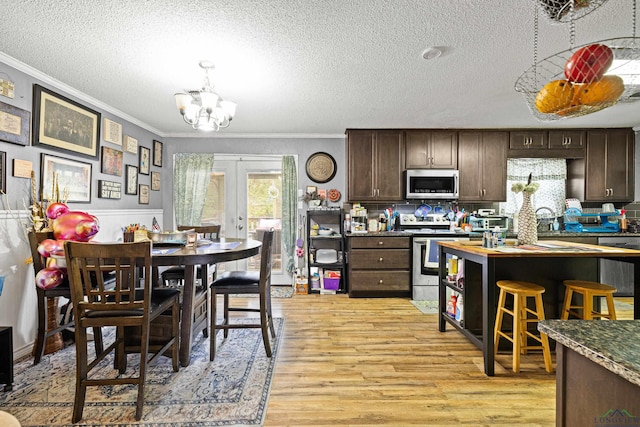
[376, 164]
[563, 144]
[609, 165]
[527, 140]
[482, 160]
[431, 149]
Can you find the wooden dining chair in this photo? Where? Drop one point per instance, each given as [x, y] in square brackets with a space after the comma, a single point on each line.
[176, 275]
[245, 282]
[131, 309]
[47, 299]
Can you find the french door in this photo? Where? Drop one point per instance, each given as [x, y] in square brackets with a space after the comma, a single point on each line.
[245, 197]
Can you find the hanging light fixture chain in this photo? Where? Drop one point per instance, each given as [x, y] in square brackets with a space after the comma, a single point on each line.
[535, 43]
[572, 26]
[633, 17]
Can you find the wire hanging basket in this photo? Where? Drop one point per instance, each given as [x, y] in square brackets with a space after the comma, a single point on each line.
[564, 11]
[610, 75]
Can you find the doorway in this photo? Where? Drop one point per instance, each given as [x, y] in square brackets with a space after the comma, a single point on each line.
[245, 198]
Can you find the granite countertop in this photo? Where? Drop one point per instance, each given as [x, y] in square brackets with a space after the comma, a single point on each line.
[613, 344]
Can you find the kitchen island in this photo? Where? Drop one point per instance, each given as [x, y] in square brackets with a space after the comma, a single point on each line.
[547, 264]
[598, 371]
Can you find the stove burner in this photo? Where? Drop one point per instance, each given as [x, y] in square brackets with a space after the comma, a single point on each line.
[428, 220]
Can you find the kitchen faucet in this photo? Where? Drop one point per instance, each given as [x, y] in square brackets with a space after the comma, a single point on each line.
[553, 215]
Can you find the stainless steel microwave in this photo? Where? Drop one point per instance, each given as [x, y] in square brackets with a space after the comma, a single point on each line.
[432, 184]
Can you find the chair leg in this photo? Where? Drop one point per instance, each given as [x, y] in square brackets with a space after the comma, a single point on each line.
[212, 328]
[611, 307]
[144, 355]
[265, 326]
[517, 333]
[226, 315]
[566, 306]
[82, 370]
[544, 339]
[175, 326]
[587, 306]
[97, 340]
[498, 325]
[269, 315]
[41, 334]
[120, 359]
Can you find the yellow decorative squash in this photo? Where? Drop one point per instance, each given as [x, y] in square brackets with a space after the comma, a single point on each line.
[606, 90]
[554, 96]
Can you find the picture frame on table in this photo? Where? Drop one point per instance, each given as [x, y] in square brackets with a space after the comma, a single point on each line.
[3, 172]
[14, 124]
[130, 144]
[65, 179]
[157, 153]
[64, 125]
[143, 196]
[131, 179]
[112, 132]
[145, 159]
[111, 163]
[155, 181]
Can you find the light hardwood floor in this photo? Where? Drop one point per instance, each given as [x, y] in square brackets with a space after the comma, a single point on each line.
[352, 361]
[381, 362]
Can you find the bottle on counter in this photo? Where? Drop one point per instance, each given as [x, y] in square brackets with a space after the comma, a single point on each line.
[556, 225]
[347, 223]
[459, 309]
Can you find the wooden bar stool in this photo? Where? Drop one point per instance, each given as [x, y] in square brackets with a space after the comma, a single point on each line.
[520, 313]
[588, 290]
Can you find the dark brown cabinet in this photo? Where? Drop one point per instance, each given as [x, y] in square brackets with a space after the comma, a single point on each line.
[379, 266]
[482, 160]
[376, 165]
[567, 140]
[527, 140]
[431, 149]
[609, 165]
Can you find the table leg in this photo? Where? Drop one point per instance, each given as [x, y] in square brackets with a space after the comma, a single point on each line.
[636, 288]
[488, 314]
[186, 323]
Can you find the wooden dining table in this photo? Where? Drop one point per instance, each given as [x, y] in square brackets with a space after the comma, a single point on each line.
[203, 254]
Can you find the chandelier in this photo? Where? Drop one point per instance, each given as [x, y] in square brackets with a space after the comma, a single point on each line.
[205, 109]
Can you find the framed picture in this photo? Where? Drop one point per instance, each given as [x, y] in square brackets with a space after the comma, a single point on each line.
[109, 189]
[157, 153]
[62, 124]
[145, 158]
[312, 189]
[143, 196]
[3, 172]
[22, 168]
[131, 178]
[112, 132]
[65, 179]
[111, 161]
[14, 124]
[130, 144]
[155, 181]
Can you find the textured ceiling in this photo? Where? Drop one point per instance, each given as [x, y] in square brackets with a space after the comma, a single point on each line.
[307, 67]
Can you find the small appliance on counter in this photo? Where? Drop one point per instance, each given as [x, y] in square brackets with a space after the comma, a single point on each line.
[572, 222]
[486, 219]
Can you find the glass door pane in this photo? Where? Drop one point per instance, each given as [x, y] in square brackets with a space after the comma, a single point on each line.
[245, 197]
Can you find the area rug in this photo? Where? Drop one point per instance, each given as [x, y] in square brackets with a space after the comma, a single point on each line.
[233, 390]
[276, 292]
[426, 307]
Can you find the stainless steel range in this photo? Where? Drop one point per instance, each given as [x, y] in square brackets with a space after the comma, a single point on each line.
[427, 231]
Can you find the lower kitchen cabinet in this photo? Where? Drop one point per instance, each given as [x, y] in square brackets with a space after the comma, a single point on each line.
[379, 266]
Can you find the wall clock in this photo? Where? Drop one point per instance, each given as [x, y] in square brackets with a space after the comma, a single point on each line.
[321, 167]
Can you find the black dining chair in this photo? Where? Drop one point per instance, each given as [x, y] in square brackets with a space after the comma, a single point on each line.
[245, 282]
[132, 309]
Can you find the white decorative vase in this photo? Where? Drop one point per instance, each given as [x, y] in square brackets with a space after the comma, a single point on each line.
[527, 223]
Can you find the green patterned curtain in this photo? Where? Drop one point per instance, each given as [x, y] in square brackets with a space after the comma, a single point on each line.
[191, 176]
[289, 209]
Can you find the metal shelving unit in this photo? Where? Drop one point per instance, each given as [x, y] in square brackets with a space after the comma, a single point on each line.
[324, 219]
